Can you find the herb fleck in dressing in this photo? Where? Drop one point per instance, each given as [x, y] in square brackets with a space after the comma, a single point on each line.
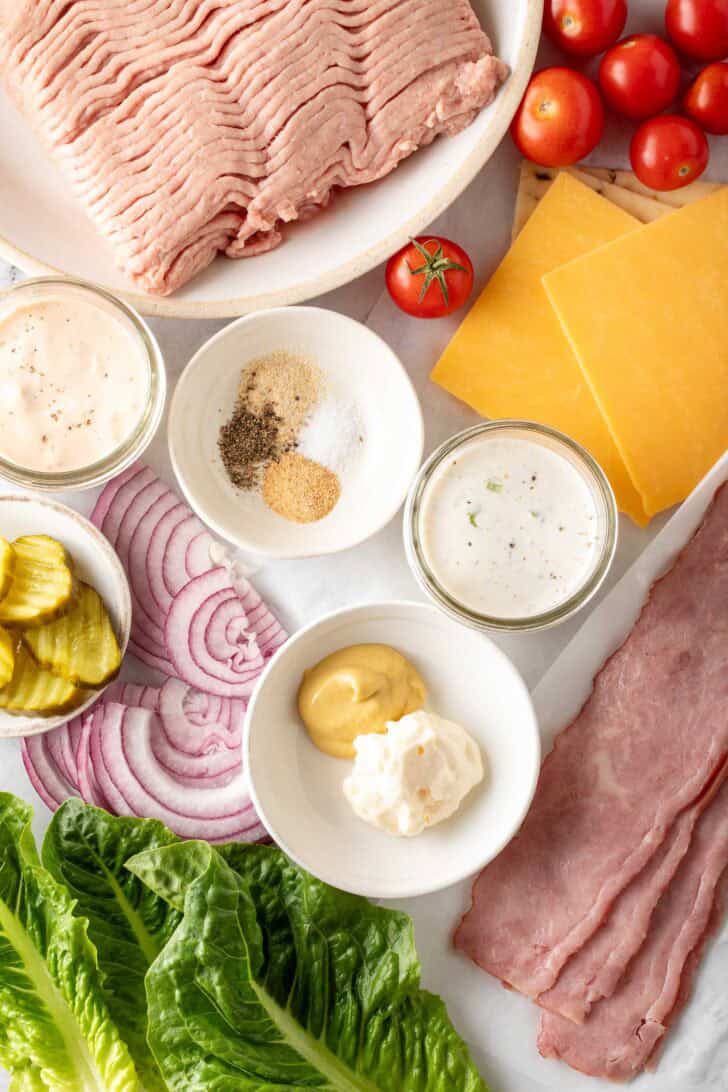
[509, 527]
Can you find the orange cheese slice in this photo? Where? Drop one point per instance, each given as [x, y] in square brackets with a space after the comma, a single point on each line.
[510, 357]
[647, 316]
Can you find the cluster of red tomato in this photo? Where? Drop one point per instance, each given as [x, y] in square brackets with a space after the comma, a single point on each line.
[561, 117]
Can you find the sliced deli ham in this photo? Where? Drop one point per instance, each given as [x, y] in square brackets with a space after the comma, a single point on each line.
[648, 742]
[596, 970]
[623, 1033]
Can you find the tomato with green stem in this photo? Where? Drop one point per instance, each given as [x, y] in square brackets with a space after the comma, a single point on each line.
[429, 277]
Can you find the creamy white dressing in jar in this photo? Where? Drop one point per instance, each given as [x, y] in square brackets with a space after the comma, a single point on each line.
[512, 525]
[74, 381]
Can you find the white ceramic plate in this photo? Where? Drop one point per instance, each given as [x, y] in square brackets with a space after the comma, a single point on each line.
[43, 229]
[94, 561]
[360, 371]
[297, 789]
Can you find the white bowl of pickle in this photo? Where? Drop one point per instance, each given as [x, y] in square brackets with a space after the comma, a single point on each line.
[65, 614]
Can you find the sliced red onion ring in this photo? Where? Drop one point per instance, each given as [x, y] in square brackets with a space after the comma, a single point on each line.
[137, 559]
[156, 550]
[44, 775]
[135, 783]
[108, 493]
[112, 514]
[209, 639]
[187, 546]
[96, 785]
[197, 723]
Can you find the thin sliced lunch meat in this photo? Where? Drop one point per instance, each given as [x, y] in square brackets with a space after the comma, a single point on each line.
[595, 971]
[623, 1033]
[647, 744]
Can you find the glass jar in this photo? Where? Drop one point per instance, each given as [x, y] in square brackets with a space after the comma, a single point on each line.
[94, 473]
[604, 527]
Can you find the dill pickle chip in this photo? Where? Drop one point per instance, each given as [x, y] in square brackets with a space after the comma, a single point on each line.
[7, 656]
[41, 583]
[81, 645]
[7, 565]
[32, 689]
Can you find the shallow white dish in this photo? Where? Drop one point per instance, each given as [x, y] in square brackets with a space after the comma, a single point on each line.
[43, 229]
[297, 789]
[360, 369]
[94, 561]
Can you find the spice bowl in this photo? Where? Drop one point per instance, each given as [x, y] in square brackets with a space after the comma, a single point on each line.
[326, 468]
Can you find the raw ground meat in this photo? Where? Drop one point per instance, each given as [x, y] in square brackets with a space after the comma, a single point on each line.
[193, 127]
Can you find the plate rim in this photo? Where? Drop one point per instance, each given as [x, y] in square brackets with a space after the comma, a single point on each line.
[373, 891]
[170, 307]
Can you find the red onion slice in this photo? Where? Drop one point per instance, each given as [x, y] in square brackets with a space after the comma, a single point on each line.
[197, 723]
[137, 559]
[157, 663]
[144, 503]
[187, 546]
[132, 778]
[108, 493]
[96, 786]
[156, 550]
[110, 521]
[209, 640]
[44, 775]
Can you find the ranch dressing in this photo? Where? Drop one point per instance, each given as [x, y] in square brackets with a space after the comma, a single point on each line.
[74, 382]
[509, 528]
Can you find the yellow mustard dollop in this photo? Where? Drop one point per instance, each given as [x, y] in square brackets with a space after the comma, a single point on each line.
[354, 692]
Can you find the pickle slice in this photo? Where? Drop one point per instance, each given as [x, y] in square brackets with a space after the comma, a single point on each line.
[7, 565]
[81, 645]
[41, 584]
[34, 690]
[7, 656]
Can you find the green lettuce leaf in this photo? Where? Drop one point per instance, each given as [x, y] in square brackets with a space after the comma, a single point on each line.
[55, 1028]
[85, 849]
[274, 980]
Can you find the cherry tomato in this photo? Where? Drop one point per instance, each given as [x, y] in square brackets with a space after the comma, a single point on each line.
[699, 27]
[584, 27]
[640, 76]
[668, 152]
[430, 277]
[706, 100]
[560, 119]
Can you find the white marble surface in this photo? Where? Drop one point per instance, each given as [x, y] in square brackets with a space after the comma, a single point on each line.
[302, 591]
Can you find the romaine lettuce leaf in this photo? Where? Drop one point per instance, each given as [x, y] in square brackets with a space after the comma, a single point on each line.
[274, 980]
[55, 1028]
[85, 848]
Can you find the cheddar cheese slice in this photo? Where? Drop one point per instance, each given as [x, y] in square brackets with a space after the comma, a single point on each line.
[510, 357]
[647, 316]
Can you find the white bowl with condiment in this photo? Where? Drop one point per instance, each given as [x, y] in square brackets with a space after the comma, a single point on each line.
[297, 789]
[510, 525]
[83, 384]
[364, 379]
[94, 561]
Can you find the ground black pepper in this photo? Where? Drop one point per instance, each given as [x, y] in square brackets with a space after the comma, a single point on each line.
[247, 443]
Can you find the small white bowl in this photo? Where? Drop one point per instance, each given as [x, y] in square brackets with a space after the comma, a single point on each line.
[360, 369]
[297, 789]
[94, 561]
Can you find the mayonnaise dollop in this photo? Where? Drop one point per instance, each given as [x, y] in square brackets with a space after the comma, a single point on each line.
[414, 775]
